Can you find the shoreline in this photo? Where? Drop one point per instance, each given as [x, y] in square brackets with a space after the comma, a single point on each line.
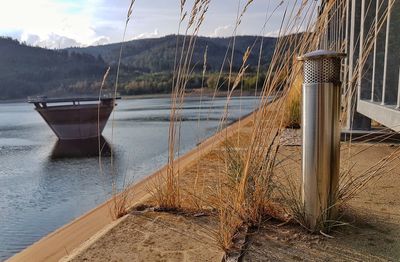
[194, 93]
[65, 239]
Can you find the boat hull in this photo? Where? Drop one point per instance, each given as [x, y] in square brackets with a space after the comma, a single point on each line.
[77, 122]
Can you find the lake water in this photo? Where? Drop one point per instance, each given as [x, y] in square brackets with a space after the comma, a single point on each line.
[45, 184]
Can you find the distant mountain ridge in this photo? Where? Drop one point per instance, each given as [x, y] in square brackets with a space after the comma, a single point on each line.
[158, 54]
[147, 65]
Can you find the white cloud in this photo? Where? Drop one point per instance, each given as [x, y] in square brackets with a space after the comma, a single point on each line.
[30, 39]
[222, 31]
[103, 40]
[153, 34]
[52, 41]
[51, 23]
[294, 30]
[272, 33]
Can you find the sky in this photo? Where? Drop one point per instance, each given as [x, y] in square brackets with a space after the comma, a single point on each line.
[66, 23]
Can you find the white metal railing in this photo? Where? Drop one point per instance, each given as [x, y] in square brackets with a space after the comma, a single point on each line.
[369, 32]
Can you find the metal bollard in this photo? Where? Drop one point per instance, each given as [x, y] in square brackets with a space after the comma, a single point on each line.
[321, 135]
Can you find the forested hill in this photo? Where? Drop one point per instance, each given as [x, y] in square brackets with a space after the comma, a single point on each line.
[146, 65]
[26, 70]
[158, 54]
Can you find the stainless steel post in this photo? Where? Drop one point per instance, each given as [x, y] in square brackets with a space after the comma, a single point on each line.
[321, 135]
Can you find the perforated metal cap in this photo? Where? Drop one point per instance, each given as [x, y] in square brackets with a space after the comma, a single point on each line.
[322, 66]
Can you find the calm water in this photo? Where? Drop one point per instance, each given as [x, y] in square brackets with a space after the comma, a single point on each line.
[45, 184]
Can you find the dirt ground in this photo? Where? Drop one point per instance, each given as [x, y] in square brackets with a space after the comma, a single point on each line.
[371, 220]
[364, 240]
[156, 236]
[370, 230]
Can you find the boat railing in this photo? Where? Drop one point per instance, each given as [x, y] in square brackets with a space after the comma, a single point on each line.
[42, 101]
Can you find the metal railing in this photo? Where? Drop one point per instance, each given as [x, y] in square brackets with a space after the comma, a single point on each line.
[369, 32]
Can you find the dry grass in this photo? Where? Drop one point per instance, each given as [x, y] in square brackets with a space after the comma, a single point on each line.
[119, 204]
[229, 224]
[254, 165]
[245, 185]
[292, 117]
[246, 173]
[167, 192]
[119, 201]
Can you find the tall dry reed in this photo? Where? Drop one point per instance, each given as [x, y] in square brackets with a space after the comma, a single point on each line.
[168, 193]
[119, 204]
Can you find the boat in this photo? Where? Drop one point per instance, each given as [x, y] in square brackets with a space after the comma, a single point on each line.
[75, 118]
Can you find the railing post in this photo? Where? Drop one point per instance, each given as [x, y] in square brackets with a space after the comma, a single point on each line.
[354, 120]
[377, 4]
[385, 66]
[321, 135]
[398, 92]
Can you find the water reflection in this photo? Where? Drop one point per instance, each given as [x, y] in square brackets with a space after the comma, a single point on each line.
[81, 148]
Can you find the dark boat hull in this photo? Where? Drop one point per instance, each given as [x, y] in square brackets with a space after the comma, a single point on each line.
[77, 121]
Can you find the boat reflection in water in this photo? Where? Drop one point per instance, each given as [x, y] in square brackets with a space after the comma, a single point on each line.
[81, 148]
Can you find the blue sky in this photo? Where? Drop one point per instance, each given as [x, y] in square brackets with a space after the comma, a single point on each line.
[64, 23]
